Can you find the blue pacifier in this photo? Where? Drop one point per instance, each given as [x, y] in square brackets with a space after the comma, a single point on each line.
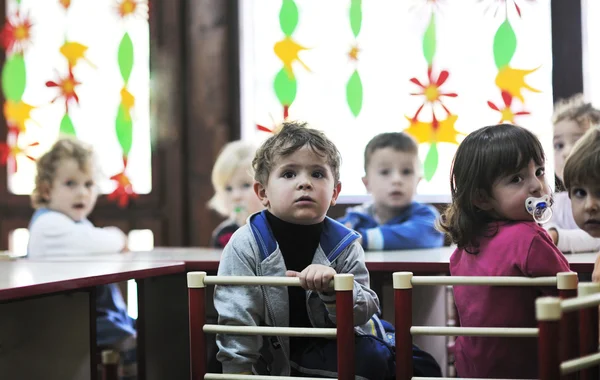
[539, 208]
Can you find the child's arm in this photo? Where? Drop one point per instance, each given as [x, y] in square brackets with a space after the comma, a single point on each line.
[573, 241]
[417, 232]
[544, 259]
[238, 306]
[56, 234]
[366, 303]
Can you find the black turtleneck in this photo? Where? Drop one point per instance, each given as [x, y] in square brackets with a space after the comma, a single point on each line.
[298, 244]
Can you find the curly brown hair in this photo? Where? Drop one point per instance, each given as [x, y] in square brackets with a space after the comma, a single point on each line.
[292, 136]
[576, 109]
[46, 165]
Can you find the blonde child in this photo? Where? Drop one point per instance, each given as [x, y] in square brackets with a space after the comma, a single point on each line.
[572, 118]
[494, 171]
[234, 197]
[65, 194]
[582, 180]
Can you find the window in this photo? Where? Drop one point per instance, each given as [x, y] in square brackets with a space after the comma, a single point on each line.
[591, 55]
[78, 68]
[356, 68]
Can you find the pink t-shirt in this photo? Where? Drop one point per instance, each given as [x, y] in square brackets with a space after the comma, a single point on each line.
[517, 249]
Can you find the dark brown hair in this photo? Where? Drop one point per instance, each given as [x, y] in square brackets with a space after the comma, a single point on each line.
[399, 141]
[292, 136]
[483, 157]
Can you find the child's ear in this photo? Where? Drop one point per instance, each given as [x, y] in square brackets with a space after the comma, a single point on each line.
[45, 191]
[261, 193]
[365, 182]
[336, 193]
[482, 201]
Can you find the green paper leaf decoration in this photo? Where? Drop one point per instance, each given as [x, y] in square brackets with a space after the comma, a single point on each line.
[125, 57]
[14, 78]
[288, 17]
[124, 129]
[505, 44]
[354, 93]
[356, 16]
[66, 126]
[429, 41]
[431, 162]
[285, 88]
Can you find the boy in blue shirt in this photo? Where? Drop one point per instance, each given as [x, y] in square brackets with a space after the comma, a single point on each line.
[393, 220]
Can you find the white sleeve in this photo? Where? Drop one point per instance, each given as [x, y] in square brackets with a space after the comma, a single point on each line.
[56, 234]
[573, 241]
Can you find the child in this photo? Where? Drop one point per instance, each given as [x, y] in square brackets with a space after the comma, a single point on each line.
[582, 180]
[572, 117]
[234, 197]
[297, 180]
[494, 171]
[65, 193]
[393, 220]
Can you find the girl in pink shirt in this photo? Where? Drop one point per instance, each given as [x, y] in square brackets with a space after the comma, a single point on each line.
[494, 171]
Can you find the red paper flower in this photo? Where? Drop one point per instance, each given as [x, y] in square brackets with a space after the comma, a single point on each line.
[431, 90]
[132, 8]
[124, 191]
[16, 34]
[507, 113]
[9, 153]
[66, 87]
[502, 4]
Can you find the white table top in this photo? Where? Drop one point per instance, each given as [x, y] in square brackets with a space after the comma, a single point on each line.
[25, 278]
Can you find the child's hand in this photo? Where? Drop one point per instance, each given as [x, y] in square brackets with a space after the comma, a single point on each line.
[596, 273]
[123, 236]
[314, 277]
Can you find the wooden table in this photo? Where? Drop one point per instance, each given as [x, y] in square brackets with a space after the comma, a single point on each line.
[48, 318]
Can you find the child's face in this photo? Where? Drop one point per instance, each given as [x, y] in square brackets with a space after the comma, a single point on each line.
[73, 191]
[239, 195]
[566, 134]
[300, 188]
[392, 178]
[510, 192]
[585, 202]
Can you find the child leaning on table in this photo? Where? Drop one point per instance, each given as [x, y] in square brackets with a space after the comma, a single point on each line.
[393, 220]
[65, 194]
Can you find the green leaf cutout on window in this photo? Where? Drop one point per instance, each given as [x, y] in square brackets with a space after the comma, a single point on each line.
[429, 41]
[125, 57]
[505, 44]
[66, 126]
[285, 88]
[431, 162]
[355, 16]
[124, 129]
[288, 17]
[14, 78]
[354, 93]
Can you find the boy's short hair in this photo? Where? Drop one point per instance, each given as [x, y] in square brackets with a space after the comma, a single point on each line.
[292, 136]
[399, 141]
[46, 165]
[234, 155]
[583, 164]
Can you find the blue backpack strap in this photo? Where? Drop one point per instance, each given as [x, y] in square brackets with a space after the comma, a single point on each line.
[263, 234]
[335, 238]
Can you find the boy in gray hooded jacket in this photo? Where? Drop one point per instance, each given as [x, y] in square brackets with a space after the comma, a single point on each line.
[297, 180]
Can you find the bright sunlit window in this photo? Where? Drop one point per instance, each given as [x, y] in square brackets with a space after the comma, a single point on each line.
[436, 69]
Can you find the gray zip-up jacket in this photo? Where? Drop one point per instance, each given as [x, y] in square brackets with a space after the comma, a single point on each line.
[253, 251]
